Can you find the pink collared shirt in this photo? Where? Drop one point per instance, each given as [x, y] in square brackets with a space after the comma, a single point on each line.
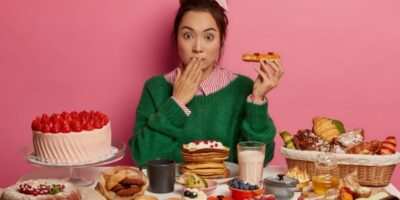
[217, 80]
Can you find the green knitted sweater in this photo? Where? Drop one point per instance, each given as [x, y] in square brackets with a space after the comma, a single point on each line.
[161, 126]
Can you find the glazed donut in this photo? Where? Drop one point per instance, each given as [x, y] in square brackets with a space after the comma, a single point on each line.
[255, 57]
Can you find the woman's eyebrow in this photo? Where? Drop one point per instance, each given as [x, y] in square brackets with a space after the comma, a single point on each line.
[205, 30]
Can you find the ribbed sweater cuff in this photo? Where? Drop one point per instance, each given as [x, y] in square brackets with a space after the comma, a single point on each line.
[173, 112]
[257, 114]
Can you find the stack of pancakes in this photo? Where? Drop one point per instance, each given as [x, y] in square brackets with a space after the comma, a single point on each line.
[206, 162]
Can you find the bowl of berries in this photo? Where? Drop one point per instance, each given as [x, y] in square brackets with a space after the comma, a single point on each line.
[241, 190]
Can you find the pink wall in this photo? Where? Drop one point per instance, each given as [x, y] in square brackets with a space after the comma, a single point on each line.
[341, 60]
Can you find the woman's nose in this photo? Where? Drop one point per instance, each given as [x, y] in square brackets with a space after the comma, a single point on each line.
[197, 46]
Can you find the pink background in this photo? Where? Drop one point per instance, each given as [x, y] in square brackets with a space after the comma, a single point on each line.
[341, 59]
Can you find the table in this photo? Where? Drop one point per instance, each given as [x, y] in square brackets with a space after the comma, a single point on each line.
[93, 172]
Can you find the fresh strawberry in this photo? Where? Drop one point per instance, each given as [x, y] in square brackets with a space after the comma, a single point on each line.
[87, 127]
[45, 118]
[105, 118]
[45, 128]
[56, 128]
[83, 115]
[74, 115]
[76, 126]
[65, 128]
[98, 125]
[66, 116]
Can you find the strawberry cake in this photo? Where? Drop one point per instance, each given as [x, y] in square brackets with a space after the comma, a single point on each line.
[71, 138]
[41, 189]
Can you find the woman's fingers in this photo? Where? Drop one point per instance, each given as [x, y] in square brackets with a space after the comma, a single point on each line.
[262, 74]
[178, 74]
[265, 69]
[195, 70]
[188, 67]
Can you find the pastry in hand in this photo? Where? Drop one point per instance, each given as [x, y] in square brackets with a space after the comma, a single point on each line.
[256, 57]
[327, 128]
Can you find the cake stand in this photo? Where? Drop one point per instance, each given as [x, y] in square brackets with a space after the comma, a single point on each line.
[116, 153]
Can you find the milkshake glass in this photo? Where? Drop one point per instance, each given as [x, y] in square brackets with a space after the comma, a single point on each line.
[251, 157]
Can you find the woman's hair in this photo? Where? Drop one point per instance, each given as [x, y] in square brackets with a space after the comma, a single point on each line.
[210, 6]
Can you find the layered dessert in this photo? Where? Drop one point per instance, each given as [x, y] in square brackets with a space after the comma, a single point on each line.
[71, 138]
[205, 158]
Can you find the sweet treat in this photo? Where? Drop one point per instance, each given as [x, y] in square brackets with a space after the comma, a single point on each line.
[287, 139]
[191, 180]
[363, 148]
[256, 57]
[362, 192]
[346, 194]
[71, 138]
[41, 189]
[388, 146]
[205, 158]
[349, 139]
[122, 183]
[377, 196]
[307, 140]
[146, 197]
[327, 128]
[193, 194]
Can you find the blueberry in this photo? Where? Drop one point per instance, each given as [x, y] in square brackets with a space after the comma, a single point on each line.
[187, 193]
[246, 187]
[256, 187]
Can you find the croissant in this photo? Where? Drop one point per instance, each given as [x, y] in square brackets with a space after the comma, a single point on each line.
[327, 128]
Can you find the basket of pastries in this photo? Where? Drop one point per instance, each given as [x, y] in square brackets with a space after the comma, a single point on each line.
[373, 161]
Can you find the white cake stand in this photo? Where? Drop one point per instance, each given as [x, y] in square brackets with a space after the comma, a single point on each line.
[116, 153]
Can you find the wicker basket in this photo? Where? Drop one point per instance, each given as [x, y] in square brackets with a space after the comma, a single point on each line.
[372, 170]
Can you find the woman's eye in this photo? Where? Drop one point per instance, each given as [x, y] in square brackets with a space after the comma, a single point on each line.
[187, 36]
[210, 37]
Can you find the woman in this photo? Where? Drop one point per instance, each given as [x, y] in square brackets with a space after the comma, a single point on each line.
[200, 100]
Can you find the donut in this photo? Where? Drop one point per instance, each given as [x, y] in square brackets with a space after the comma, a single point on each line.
[255, 57]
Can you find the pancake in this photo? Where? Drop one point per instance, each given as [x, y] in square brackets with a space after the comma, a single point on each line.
[186, 149]
[205, 171]
[205, 165]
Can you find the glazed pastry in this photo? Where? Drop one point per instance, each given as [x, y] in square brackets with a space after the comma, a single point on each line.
[287, 139]
[255, 57]
[363, 148]
[349, 139]
[327, 128]
[388, 146]
[332, 194]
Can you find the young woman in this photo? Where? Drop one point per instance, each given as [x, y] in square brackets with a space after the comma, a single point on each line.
[200, 100]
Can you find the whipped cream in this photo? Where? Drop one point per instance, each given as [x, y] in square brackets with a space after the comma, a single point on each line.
[205, 144]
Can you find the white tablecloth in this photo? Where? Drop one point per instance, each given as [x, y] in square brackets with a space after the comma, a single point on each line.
[93, 173]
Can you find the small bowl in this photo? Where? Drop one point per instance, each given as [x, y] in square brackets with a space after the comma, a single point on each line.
[212, 185]
[238, 194]
[219, 197]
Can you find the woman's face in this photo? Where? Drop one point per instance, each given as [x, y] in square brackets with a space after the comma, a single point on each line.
[198, 36]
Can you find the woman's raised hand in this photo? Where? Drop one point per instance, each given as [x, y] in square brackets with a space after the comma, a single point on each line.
[188, 81]
[268, 77]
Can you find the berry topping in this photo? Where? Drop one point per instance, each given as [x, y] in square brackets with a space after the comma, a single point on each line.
[69, 122]
[40, 189]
